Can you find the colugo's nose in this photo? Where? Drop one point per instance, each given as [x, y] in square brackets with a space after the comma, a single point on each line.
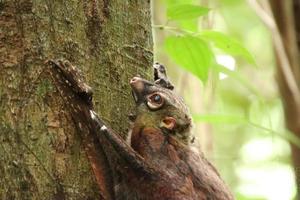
[137, 84]
[134, 80]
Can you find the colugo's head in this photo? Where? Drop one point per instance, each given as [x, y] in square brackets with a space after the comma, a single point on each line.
[159, 106]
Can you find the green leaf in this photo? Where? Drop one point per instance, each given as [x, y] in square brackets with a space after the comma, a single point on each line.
[189, 25]
[185, 11]
[227, 44]
[191, 53]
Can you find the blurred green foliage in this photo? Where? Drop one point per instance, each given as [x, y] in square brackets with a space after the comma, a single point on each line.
[224, 44]
[185, 11]
[192, 53]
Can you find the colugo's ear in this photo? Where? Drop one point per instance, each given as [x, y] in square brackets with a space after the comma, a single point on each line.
[168, 123]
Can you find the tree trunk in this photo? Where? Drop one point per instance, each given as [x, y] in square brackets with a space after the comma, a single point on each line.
[286, 14]
[41, 155]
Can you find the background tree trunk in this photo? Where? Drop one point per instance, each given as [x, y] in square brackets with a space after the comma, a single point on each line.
[41, 156]
[286, 15]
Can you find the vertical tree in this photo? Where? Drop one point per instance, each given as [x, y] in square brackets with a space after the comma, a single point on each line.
[41, 156]
[287, 55]
[285, 30]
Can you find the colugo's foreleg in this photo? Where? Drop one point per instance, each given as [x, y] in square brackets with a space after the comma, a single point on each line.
[77, 98]
[132, 158]
[160, 76]
[108, 153]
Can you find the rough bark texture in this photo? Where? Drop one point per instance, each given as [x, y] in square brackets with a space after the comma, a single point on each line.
[287, 15]
[41, 155]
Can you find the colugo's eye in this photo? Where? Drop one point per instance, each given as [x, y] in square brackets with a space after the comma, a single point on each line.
[156, 98]
[155, 101]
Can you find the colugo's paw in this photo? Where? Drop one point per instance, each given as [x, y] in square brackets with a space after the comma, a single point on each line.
[64, 73]
[160, 76]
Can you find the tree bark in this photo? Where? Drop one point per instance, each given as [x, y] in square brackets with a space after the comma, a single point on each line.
[41, 155]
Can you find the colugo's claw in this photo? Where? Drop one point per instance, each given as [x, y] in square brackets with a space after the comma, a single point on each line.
[160, 76]
[72, 77]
